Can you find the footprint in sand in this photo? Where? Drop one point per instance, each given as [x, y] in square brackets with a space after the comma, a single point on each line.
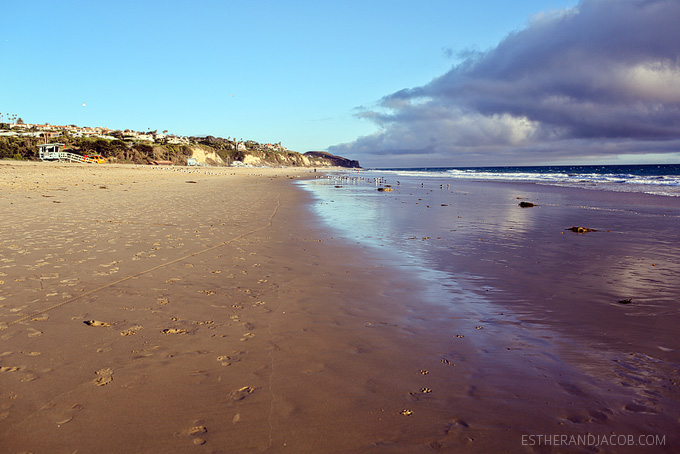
[28, 377]
[68, 282]
[104, 377]
[96, 323]
[224, 360]
[131, 331]
[247, 336]
[241, 393]
[174, 331]
[62, 416]
[197, 430]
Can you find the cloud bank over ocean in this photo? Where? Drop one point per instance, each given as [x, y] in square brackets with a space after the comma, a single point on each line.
[592, 83]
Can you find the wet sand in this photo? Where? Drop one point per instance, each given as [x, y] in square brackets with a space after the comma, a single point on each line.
[151, 310]
[540, 325]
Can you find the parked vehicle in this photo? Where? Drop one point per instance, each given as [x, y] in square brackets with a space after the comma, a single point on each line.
[95, 158]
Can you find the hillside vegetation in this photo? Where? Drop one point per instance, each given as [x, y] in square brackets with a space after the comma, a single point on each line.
[206, 150]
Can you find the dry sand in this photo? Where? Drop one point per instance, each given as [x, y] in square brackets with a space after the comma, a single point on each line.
[153, 310]
[156, 310]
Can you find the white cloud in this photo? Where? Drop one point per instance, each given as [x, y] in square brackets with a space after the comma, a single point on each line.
[657, 81]
[600, 76]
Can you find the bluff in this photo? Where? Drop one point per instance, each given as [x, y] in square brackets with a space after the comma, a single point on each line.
[208, 150]
[206, 154]
[336, 161]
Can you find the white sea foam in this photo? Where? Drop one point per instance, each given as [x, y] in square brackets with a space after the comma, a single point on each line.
[667, 185]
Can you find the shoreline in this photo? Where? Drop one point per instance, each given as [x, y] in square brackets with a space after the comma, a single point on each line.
[532, 287]
[475, 229]
[239, 321]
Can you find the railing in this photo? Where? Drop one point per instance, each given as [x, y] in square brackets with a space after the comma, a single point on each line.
[63, 156]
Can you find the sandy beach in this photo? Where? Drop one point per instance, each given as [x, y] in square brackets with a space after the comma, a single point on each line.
[153, 310]
[182, 310]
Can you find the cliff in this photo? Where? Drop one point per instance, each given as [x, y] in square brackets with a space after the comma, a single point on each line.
[328, 159]
[204, 154]
[212, 151]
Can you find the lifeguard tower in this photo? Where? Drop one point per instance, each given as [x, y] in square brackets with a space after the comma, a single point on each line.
[54, 152]
[50, 151]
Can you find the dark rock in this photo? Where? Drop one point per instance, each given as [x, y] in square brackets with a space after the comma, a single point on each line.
[526, 204]
[581, 229]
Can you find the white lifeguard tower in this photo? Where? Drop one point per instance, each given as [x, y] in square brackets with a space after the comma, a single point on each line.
[50, 151]
[54, 152]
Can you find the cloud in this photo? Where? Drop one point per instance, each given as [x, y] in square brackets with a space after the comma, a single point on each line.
[598, 80]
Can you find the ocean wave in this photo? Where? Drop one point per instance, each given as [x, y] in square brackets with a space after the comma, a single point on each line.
[658, 180]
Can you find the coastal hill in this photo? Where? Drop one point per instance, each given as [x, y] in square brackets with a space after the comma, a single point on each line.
[337, 161]
[20, 141]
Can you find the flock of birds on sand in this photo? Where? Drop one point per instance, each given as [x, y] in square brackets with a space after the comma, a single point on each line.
[376, 181]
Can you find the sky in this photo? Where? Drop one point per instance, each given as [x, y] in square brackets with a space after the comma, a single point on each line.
[390, 83]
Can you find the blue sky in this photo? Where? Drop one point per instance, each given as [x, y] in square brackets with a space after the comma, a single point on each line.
[372, 80]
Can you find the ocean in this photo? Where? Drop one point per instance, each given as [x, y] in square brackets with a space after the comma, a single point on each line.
[550, 314]
[658, 179]
[349, 201]
[462, 231]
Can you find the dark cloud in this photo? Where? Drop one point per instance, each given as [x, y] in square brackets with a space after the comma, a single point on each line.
[600, 80]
